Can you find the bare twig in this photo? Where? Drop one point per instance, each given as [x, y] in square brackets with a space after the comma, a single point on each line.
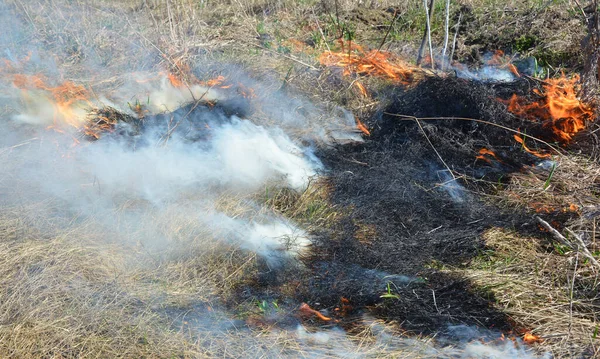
[429, 13]
[434, 149]
[556, 234]
[396, 14]
[571, 290]
[580, 244]
[455, 37]
[435, 301]
[321, 31]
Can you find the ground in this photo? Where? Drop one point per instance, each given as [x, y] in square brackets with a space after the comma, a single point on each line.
[412, 235]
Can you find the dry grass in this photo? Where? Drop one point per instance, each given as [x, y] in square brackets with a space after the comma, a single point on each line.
[77, 290]
[68, 293]
[566, 185]
[546, 291]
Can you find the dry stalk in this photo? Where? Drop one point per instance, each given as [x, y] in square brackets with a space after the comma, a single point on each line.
[580, 244]
[434, 149]
[457, 26]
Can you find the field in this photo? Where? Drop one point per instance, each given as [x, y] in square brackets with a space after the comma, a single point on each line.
[249, 178]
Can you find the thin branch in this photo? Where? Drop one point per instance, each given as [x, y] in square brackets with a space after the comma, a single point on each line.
[586, 251]
[556, 234]
[434, 149]
[396, 14]
[446, 33]
[562, 239]
[571, 293]
[424, 40]
[321, 31]
[455, 37]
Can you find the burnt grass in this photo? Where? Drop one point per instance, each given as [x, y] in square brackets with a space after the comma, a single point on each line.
[422, 220]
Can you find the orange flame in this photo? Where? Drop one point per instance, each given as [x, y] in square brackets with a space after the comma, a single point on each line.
[373, 63]
[307, 311]
[65, 97]
[483, 152]
[527, 149]
[531, 339]
[362, 127]
[361, 88]
[560, 109]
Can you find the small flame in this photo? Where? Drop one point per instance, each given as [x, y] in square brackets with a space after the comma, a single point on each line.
[361, 88]
[67, 98]
[531, 339]
[355, 60]
[559, 109]
[482, 155]
[217, 81]
[362, 127]
[307, 311]
[541, 208]
[527, 149]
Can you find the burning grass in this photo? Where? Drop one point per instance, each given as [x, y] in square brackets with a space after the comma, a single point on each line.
[80, 289]
[559, 108]
[353, 59]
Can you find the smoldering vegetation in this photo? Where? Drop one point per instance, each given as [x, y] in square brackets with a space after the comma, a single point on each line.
[149, 215]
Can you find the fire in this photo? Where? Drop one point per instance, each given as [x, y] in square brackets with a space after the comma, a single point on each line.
[362, 127]
[501, 60]
[174, 80]
[307, 311]
[68, 98]
[361, 88]
[355, 60]
[483, 152]
[531, 339]
[528, 150]
[217, 81]
[559, 109]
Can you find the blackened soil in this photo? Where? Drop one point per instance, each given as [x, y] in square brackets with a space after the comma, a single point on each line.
[421, 217]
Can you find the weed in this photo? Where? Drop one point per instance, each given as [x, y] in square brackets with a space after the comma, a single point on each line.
[547, 183]
[388, 294]
[524, 43]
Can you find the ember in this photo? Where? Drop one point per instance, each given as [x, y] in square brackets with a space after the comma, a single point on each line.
[482, 155]
[362, 127]
[306, 311]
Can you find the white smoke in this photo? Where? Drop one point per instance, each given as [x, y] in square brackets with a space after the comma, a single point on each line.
[486, 74]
